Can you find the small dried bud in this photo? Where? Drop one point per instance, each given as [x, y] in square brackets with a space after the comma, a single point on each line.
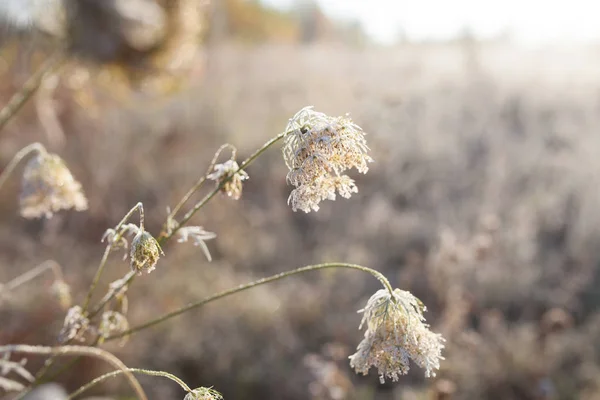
[62, 291]
[318, 149]
[203, 393]
[228, 173]
[198, 236]
[48, 187]
[145, 252]
[395, 333]
[112, 323]
[75, 327]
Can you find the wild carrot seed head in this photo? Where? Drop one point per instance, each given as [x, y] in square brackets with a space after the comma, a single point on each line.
[229, 170]
[48, 186]
[145, 252]
[395, 334]
[317, 150]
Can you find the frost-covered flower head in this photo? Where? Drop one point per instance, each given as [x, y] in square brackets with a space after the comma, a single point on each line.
[48, 186]
[75, 327]
[396, 333]
[228, 173]
[318, 149]
[203, 393]
[145, 252]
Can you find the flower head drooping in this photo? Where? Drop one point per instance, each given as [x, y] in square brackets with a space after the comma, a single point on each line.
[145, 252]
[231, 177]
[318, 149]
[396, 333]
[48, 186]
[198, 236]
[75, 327]
[203, 393]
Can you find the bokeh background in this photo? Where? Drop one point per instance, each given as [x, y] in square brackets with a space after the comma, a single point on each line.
[483, 199]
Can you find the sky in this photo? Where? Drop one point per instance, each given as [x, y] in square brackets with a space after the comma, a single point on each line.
[529, 21]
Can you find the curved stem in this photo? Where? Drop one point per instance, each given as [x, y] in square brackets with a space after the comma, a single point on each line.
[202, 179]
[79, 350]
[376, 274]
[209, 196]
[104, 377]
[118, 234]
[29, 88]
[21, 154]
[34, 273]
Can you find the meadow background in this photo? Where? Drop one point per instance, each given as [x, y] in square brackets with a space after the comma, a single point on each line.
[483, 201]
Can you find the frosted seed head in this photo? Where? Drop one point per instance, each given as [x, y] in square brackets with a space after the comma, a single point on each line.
[48, 187]
[145, 252]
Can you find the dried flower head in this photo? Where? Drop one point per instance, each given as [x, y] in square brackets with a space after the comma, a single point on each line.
[75, 327]
[203, 393]
[62, 291]
[145, 252]
[198, 236]
[229, 175]
[48, 187]
[112, 323]
[395, 334]
[318, 149]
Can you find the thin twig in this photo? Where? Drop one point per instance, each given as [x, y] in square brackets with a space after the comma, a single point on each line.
[386, 284]
[29, 88]
[104, 377]
[79, 350]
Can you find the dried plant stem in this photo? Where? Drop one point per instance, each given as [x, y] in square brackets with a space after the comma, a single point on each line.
[32, 274]
[376, 274]
[139, 206]
[79, 351]
[104, 377]
[209, 196]
[202, 179]
[29, 88]
[108, 296]
[21, 154]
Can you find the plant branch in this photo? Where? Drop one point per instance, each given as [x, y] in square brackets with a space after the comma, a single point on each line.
[29, 87]
[21, 154]
[104, 377]
[376, 274]
[81, 351]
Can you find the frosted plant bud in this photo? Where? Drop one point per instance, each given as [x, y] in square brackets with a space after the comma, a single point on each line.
[48, 187]
[198, 236]
[62, 291]
[229, 170]
[112, 323]
[318, 149]
[396, 333]
[145, 252]
[203, 393]
[75, 327]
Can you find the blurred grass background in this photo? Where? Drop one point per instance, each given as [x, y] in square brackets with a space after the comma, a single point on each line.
[482, 201]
